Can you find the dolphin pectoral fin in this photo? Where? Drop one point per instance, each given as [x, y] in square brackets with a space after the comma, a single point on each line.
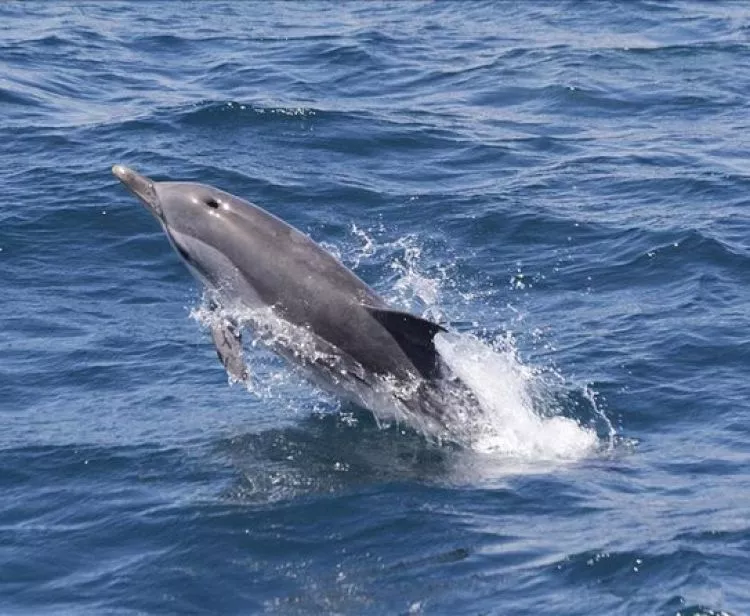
[228, 341]
[414, 335]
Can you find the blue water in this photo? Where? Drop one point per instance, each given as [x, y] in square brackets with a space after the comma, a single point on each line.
[565, 184]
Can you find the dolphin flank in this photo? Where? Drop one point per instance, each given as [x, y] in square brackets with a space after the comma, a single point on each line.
[344, 336]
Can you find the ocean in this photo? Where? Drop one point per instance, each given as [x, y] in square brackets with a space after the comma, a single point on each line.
[564, 185]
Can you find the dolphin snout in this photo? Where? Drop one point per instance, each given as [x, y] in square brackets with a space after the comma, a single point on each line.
[141, 186]
[121, 171]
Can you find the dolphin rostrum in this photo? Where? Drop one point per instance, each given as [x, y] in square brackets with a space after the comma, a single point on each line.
[346, 337]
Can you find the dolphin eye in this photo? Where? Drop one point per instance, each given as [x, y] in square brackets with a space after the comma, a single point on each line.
[212, 203]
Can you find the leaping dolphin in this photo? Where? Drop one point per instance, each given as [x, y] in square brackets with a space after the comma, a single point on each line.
[252, 262]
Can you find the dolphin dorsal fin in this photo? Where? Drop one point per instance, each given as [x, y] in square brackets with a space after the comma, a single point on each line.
[415, 336]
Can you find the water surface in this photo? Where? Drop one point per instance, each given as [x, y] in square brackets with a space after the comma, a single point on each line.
[565, 184]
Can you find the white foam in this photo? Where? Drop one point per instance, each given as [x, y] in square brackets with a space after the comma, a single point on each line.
[511, 424]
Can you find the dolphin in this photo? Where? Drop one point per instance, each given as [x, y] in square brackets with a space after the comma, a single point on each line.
[314, 311]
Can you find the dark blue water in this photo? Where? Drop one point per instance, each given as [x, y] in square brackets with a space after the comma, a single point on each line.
[566, 184]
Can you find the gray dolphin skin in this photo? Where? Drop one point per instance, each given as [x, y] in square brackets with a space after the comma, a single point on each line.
[251, 261]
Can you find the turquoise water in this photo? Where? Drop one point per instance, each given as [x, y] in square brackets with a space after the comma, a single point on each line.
[563, 184]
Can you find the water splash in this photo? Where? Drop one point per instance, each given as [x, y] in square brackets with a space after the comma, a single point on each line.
[408, 284]
[510, 394]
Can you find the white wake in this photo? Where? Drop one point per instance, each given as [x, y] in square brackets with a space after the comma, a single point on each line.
[509, 394]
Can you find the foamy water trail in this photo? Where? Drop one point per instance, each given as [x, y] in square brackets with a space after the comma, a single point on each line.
[510, 424]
